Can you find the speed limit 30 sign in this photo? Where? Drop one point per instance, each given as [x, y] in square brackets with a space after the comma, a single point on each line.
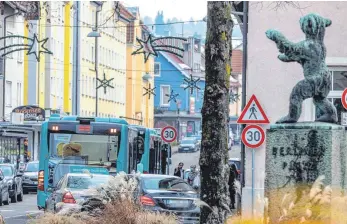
[169, 134]
[253, 136]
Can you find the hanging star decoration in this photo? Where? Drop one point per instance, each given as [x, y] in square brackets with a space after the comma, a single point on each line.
[191, 83]
[172, 96]
[105, 83]
[36, 46]
[234, 97]
[149, 91]
[151, 46]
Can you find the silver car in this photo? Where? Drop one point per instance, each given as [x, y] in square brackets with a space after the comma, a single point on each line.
[73, 188]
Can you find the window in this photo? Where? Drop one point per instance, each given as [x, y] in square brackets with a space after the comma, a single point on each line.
[8, 91]
[19, 94]
[93, 93]
[156, 69]
[164, 92]
[9, 41]
[20, 53]
[339, 80]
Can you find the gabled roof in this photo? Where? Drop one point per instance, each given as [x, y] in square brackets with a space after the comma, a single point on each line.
[176, 62]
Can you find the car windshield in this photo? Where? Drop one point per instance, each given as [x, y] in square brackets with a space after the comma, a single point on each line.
[170, 184]
[187, 141]
[32, 167]
[7, 170]
[86, 182]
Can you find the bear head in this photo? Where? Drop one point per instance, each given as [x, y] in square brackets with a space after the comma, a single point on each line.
[313, 25]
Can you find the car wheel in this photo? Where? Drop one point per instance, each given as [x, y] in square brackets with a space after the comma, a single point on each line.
[14, 197]
[20, 196]
[7, 202]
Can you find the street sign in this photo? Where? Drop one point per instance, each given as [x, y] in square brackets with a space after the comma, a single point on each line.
[169, 134]
[253, 136]
[253, 113]
[344, 118]
[344, 98]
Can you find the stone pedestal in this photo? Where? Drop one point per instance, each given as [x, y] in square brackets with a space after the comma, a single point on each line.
[296, 155]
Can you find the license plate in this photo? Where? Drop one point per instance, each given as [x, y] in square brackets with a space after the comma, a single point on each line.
[186, 149]
[178, 203]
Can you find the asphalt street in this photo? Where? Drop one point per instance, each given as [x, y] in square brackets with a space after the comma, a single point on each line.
[20, 212]
[192, 158]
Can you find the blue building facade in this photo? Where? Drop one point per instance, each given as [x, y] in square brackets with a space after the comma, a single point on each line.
[185, 113]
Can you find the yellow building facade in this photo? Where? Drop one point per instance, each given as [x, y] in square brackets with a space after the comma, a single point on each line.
[112, 61]
[53, 71]
[140, 107]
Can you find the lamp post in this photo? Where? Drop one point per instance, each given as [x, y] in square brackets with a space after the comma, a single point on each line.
[95, 33]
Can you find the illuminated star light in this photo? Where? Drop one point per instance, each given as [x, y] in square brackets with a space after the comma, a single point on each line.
[105, 83]
[149, 91]
[36, 50]
[191, 83]
[150, 47]
[172, 96]
[146, 47]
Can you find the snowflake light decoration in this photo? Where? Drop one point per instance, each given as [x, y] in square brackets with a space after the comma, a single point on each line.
[149, 91]
[32, 48]
[172, 96]
[151, 46]
[105, 83]
[234, 97]
[191, 83]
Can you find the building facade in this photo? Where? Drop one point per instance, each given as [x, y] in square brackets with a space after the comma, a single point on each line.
[111, 60]
[170, 71]
[272, 80]
[11, 65]
[140, 75]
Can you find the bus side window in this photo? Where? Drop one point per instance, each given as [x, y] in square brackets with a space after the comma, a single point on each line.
[151, 160]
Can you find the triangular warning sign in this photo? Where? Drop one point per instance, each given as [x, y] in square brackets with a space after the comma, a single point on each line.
[253, 113]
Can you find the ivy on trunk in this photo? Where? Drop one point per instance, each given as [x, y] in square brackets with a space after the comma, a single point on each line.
[215, 112]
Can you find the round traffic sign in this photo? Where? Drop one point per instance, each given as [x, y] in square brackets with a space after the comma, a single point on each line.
[344, 98]
[169, 134]
[253, 136]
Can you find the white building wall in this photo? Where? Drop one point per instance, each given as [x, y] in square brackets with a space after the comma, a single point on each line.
[14, 63]
[272, 80]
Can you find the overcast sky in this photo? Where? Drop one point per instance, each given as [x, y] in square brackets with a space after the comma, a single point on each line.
[181, 9]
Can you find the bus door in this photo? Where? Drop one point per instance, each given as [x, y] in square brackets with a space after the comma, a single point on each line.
[140, 147]
[157, 156]
[152, 156]
[132, 150]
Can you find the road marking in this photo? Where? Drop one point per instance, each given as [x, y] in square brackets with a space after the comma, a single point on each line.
[22, 216]
[5, 210]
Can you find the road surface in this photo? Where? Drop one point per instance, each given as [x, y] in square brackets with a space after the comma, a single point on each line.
[20, 212]
[192, 158]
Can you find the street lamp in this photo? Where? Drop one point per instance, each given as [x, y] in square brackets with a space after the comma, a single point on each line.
[96, 34]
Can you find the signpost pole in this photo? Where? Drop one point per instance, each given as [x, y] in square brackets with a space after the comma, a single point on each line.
[252, 183]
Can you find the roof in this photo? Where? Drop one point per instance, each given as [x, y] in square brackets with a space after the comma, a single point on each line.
[126, 13]
[236, 61]
[176, 62]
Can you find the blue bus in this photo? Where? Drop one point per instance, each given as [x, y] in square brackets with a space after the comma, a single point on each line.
[76, 144]
[150, 151]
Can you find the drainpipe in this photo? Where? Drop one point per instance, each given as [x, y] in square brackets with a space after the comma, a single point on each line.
[16, 12]
[244, 70]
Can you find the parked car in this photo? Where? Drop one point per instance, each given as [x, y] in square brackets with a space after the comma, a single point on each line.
[230, 141]
[237, 162]
[30, 176]
[14, 182]
[169, 194]
[4, 194]
[188, 145]
[198, 138]
[74, 187]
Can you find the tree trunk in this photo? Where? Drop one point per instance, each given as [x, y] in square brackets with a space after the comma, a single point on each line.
[215, 112]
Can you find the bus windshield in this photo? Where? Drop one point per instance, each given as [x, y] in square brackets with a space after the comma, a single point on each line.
[85, 149]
